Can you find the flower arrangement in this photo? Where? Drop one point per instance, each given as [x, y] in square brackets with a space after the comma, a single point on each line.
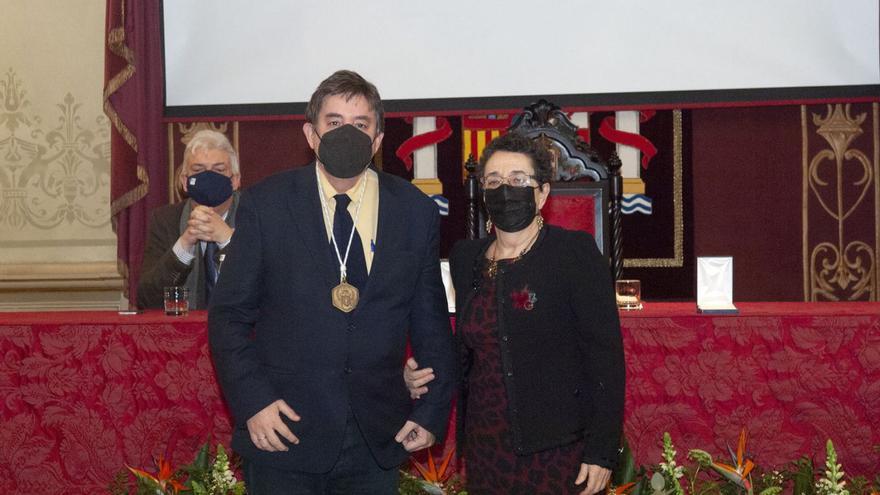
[706, 475]
[709, 476]
[434, 480]
[204, 476]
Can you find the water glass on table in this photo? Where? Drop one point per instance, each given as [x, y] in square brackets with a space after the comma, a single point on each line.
[629, 294]
[176, 301]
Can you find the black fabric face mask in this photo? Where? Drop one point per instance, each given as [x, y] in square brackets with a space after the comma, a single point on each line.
[510, 208]
[345, 151]
[209, 188]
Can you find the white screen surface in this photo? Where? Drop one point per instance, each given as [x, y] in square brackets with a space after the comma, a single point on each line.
[236, 52]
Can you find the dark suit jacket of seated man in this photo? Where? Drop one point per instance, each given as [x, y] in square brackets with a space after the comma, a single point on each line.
[279, 343]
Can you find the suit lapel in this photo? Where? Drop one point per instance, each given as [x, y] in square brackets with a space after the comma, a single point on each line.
[306, 214]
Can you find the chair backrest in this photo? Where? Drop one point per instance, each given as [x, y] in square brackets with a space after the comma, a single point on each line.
[585, 192]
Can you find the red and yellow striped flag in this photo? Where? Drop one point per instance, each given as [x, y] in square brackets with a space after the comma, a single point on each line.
[477, 131]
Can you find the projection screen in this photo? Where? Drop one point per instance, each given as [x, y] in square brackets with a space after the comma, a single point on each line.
[246, 57]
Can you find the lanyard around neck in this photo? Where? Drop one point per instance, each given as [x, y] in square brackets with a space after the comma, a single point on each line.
[357, 214]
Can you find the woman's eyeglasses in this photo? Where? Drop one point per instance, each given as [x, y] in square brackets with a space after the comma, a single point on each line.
[516, 179]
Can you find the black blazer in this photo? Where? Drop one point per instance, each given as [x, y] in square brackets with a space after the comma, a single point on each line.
[562, 359]
[274, 333]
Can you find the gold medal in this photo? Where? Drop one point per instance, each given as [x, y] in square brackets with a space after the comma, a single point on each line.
[344, 296]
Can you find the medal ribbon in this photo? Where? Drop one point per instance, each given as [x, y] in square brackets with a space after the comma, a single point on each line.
[357, 214]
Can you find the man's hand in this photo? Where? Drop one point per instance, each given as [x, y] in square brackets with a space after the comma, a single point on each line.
[266, 426]
[413, 437]
[207, 225]
[416, 379]
[596, 477]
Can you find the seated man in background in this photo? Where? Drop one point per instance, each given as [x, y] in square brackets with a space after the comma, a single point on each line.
[186, 241]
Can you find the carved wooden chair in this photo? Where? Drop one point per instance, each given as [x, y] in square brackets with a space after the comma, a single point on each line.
[585, 193]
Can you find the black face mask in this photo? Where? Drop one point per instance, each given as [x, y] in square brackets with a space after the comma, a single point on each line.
[345, 151]
[209, 188]
[510, 208]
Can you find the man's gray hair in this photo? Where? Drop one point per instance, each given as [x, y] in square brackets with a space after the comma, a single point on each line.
[211, 140]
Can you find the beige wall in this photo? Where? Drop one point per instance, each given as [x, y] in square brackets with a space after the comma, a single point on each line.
[57, 247]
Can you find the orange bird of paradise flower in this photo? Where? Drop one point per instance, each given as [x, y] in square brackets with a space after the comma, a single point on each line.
[739, 473]
[163, 478]
[431, 474]
[622, 489]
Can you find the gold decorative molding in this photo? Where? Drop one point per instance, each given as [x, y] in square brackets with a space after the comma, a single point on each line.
[838, 179]
[677, 259]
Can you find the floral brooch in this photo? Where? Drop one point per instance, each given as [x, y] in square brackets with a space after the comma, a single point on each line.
[523, 299]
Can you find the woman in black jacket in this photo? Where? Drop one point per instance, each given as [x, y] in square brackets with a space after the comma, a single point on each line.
[541, 402]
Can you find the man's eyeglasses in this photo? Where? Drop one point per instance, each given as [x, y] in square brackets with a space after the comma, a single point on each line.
[516, 179]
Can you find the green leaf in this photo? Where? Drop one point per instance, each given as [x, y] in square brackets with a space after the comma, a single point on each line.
[199, 489]
[626, 466]
[658, 482]
[803, 477]
[702, 457]
[202, 460]
[773, 490]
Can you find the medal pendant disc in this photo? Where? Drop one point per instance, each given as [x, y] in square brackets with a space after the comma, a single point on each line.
[345, 297]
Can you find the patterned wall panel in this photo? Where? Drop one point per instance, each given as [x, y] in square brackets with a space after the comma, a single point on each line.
[841, 210]
[57, 246]
[54, 169]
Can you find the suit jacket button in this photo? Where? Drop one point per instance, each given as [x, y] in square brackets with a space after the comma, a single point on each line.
[351, 327]
[509, 374]
[505, 338]
[347, 370]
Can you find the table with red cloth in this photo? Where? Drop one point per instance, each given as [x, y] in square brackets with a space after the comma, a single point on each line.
[85, 393]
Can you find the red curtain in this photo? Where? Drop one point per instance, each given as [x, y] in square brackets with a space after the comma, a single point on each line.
[133, 101]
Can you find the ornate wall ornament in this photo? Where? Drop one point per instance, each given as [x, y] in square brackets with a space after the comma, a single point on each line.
[838, 179]
[55, 177]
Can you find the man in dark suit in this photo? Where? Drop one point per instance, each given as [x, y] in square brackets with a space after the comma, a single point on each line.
[183, 236]
[333, 267]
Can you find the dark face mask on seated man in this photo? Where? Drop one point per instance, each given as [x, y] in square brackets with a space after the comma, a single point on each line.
[209, 188]
[345, 151]
[510, 208]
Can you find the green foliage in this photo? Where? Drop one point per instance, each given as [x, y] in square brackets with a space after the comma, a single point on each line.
[832, 483]
[203, 476]
[668, 468]
[802, 477]
[119, 484]
[411, 485]
[628, 472]
[700, 476]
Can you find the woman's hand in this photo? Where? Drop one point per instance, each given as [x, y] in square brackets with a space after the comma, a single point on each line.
[416, 379]
[596, 477]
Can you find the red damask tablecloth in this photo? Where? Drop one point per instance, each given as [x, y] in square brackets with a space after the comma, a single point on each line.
[85, 393]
